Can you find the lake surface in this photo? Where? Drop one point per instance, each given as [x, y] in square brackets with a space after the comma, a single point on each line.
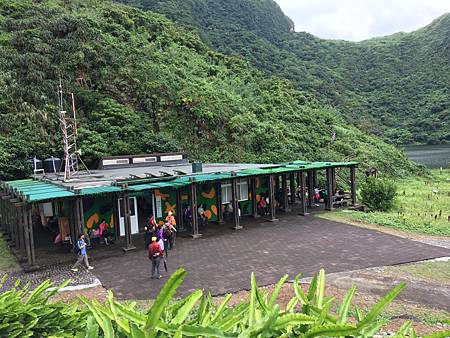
[432, 156]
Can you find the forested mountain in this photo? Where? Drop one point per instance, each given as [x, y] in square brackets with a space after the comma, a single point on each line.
[143, 85]
[396, 87]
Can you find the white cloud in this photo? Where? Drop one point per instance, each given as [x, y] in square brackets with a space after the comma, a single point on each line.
[361, 19]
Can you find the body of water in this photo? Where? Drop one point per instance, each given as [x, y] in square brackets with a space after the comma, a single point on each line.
[432, 156]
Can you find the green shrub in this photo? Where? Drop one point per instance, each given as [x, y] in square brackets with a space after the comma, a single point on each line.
[25, 314]
[378, 193]
[307, 314]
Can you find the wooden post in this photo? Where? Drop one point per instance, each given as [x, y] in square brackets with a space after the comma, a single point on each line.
[292, 187]
[272, 199]
[333, 177]
[235, 202]
[254, 201]
[284, 189]
[329, 204]
[193, 201]
[179, 211]
[219, 203]
[302, 194]
[310, 183]
[115, 212]
[20, 224]
[127, 220]
[353, 184]
[27, 234]
[79, 215]
[13, 225]
[32, 259]
[314, 177]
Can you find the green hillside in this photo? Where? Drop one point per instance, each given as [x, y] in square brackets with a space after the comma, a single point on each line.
[396, 87]
[144, 85]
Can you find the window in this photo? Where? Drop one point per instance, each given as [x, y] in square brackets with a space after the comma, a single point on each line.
[242, 191]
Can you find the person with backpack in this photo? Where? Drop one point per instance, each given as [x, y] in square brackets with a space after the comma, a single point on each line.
[154, 254]
[168, 231]
[170, 219]
[80, 249]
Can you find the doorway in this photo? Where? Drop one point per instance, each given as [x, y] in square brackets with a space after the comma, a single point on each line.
[133, 217]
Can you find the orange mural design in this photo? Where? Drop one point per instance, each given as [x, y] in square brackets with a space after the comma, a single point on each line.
[209, 195]
[163, 196]
[93, 219]
[184, 197]
[208, 214]
[111, 222]
[257, 182]
[170, 207]
[214, 209]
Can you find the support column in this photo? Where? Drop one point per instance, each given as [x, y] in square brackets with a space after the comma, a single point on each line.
[353, 184]
[235, 202]
[31, 255]
[127, 220]
[310, 184]
[329, 204]
[219, 203]
[254, 201]
[79, 215]
[284, 189]
[302, 194]
[314, 177]
[193, 201]
[179, 211]
[13, 224]
[115, 212]
[292, 187]
[27, 235]
[333, 177]
[272, 199]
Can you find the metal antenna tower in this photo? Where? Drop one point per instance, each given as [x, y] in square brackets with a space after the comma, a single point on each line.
[68, 125]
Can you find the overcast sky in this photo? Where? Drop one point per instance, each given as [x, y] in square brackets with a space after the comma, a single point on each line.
[361, 19]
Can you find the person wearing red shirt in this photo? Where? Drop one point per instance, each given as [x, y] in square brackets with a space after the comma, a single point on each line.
[155, 253]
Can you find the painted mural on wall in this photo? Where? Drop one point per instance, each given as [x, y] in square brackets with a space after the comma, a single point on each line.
[262, 191]
[166, 200]
[207, 196]
[95, 210]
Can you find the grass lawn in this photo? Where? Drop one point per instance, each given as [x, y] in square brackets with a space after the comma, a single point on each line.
[435, 271]
[7, 261]
[422, 206]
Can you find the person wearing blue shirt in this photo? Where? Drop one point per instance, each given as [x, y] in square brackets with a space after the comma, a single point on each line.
[82, 255]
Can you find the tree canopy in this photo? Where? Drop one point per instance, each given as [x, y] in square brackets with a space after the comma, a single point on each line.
[143, 84]
[395, 87]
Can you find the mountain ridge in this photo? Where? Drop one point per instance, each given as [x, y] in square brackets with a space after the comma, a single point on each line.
[394, 87]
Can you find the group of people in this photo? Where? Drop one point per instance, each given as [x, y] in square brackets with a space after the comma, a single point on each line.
[201, 215]
[159, 239]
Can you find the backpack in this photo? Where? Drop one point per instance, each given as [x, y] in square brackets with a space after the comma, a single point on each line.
[76, 248]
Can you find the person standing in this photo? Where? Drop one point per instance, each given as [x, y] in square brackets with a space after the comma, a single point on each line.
[104, 232]
[148, 236]
[187, 216]
[154, 254]
[82, 255]
[171, 221]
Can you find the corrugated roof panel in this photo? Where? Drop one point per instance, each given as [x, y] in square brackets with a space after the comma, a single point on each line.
[99, 190]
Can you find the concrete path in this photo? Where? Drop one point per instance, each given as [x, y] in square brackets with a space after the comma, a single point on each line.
[222, 260]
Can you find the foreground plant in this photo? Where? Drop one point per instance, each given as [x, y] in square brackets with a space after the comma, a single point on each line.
[197, 316]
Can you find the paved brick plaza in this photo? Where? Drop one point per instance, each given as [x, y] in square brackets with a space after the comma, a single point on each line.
[223, 259]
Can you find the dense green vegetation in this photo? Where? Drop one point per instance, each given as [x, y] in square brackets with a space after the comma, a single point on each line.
[422, 206]
[395, 87]
[196, 315]
[143, 85]
[378, 193]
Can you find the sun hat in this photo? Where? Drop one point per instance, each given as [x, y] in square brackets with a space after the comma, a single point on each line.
[170, 213]
[154, 239]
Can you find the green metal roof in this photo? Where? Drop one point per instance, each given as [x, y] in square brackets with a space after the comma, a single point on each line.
[36, 191]
[108, 189]
[33, 190]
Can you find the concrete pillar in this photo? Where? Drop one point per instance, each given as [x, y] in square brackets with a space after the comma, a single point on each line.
[353, 184]
[292, 187]
[310, 185]
[127, 220]
[179, 211]
[303, 210]
[284, 189]
[272, 199]
[219, 203]
[254, 201]
[235, 203]
[193, 201]
[329, 204]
